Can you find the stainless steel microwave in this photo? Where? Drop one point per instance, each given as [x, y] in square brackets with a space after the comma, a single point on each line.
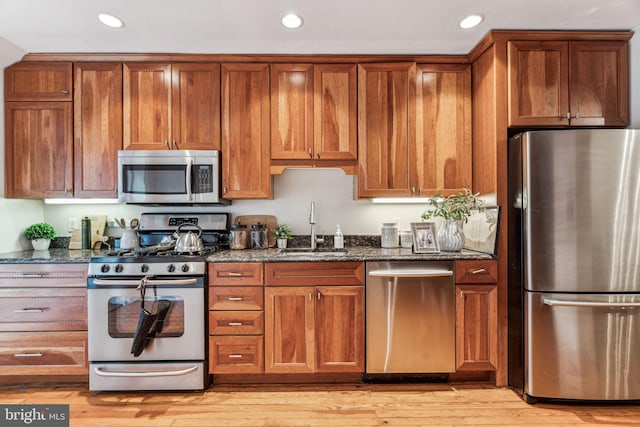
[172, 177]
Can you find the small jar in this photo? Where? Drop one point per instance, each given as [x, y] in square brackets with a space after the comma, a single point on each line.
[259, 238]
[239, 237]
[406, 239]
[389, 235]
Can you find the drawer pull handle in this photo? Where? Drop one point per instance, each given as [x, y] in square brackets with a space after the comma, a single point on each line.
[28, 310]
[234, 274]
[235, 356]
[28, 355]
[234, 299]
[235, 323]
[479, 271]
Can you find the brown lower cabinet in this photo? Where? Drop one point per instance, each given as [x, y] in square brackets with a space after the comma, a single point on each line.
[43, 320]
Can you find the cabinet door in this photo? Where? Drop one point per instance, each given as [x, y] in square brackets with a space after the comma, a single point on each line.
[386, 127]
[476, 327]
[598, 83]
[538, 85]
[339, 329]
[147, 106]
[39, 149]
[292, 111]
[97, 128]
[442, 153]
[196, 106]
[38, 81]
[245, 131]
[335, 112]
[289, 330]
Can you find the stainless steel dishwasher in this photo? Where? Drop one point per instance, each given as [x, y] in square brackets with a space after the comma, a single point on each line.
[410, 317]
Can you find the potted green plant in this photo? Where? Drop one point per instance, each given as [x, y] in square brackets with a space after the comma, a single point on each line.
[455, 210]
[282, 233]
[40, 235]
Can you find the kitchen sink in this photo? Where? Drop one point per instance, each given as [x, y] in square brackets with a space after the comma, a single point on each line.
[311, 252]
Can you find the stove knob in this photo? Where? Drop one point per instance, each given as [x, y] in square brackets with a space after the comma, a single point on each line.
[119, 268]
[144, 268]
[105, 268]
[171, 268]
[184, 268]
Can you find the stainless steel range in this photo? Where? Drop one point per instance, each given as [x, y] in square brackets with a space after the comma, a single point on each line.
[147, 307]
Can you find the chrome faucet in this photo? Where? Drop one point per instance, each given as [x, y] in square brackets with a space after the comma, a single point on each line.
[312, 221]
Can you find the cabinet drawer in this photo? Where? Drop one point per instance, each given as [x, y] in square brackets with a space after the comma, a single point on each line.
[236, 354]
[27, 309]
[45, 353]
[477, 271]
[236, 322]
[236, 298]
[43, 275]
[236, 274]
[314, 273]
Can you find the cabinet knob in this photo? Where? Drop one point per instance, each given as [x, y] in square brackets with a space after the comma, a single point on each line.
[65, 91]
[310, 153]
[167, 144]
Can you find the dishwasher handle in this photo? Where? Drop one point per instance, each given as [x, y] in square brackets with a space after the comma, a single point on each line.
[411, 272]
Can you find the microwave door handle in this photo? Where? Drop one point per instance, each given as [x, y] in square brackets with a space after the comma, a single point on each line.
[189, 167]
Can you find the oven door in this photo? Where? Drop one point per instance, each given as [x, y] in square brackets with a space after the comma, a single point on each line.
[114, 310]
[175, 176]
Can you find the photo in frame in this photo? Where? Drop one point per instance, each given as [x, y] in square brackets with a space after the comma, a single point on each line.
[424, 237]
[481, 230]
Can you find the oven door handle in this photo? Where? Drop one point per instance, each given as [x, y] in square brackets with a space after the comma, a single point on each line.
[111, 282]
[103, 373]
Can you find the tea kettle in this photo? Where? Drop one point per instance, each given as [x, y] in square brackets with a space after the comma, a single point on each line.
[189, 241]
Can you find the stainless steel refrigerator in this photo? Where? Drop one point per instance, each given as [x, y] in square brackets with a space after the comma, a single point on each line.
[574, 258]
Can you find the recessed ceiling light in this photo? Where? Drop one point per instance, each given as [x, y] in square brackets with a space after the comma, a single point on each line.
[471, 21]
[110, 20]
[292, 20]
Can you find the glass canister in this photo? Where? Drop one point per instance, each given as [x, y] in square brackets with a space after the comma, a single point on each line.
[239, 237]
[406, 239]
[259, 239]
[389, 234]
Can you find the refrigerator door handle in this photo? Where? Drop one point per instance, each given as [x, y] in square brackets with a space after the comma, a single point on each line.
[560, 303]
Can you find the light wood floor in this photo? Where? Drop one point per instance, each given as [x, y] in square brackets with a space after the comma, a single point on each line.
[318, 405]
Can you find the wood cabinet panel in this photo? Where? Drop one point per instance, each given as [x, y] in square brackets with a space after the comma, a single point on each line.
[289, 330]
[43, 275]
[339, 329]
[236, 273]
[599, 83]
[38, 81]
[44, 353]
[476, 271]
[196, 106]
[27, 309]
[386, 128]
[147, 106]
[314, 273]
[97, 128]
[245, 131]
[476, 327]
[236, 298]
[292, 111]
[39, 149]
[441, 158]
[236, 354]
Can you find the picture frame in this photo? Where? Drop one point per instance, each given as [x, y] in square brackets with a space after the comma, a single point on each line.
[424, 237]
[481, 230]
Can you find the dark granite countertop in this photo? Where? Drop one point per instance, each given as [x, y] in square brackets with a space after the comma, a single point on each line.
[358, 253]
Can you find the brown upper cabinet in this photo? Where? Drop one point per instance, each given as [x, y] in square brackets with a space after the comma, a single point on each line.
[313, 112]
[97, 128]
[171, 106]
[568, 83]
[245, 131]
[415, 129]
[38, 81]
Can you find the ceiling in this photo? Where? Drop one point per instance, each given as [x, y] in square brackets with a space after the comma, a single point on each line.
[330, 26]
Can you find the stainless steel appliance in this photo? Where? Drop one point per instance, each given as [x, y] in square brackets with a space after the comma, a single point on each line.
[174, 177]
[574, 255]
[410, 317]
[147, 308]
